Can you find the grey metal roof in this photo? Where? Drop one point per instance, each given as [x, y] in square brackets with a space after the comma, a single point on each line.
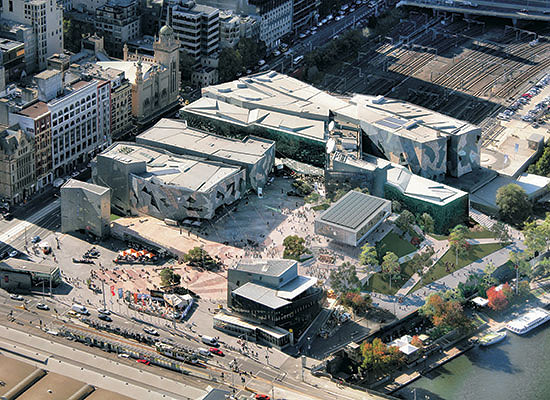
[76, 184]
[261, 295]
[270, 266]
[352, 209]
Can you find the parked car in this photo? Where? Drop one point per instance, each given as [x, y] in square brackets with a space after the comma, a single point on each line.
[104, 311]
[35, 239]
[13, 253]
[150, 331]
[216, 351]
[105, 318]
[124, 355]
[262, 397]
[42, 306]
[17, 297]
[143, 361]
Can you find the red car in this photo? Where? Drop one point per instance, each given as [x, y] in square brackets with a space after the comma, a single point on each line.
[142, 361]
[262, 397]
[217, 352]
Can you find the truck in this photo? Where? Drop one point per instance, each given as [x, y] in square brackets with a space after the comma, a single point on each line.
[80, 309]
[209, 340]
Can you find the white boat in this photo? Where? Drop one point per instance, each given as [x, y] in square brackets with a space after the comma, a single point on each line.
[492, 338]
[528, 321]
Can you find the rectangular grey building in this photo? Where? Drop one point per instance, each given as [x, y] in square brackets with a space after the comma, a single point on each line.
[254, 154]
[353, 217]
[85, 206]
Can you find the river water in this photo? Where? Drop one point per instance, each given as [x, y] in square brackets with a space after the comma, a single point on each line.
[516, 368]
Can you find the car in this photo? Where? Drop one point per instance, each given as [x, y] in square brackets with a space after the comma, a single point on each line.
[105, 318]
[216, 351]
[104, 311]
[524, 10]
[262, 397]
[150, 331]
[17, 297]
[13, 253]
[124, 355]
[35, 239]
[42, 306]
[276, 53]
[8, 216]
[338, 18]
[302, 36]
[261, 62]
[143, 361]
[176, 315]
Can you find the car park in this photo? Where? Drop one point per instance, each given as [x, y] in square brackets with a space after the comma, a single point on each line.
[216, 351]
[42, 306]
[17, 297]
[150, 331]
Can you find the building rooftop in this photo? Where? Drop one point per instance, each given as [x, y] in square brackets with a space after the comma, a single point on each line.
[129, 68]
[26, 266]
[76, 184]
[35, 110]
[261, 295]
[8, 45]
[296, 287]
[184, 171]
[47, 74]
[177, 134]
[272, 119]
[421, 188]
[353, 209]
[269, 266]
[194, 8]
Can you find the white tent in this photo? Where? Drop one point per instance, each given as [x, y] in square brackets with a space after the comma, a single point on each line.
[408, 349]
[480, 301]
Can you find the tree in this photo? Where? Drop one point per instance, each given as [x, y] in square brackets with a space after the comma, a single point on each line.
[513, 204]
[500, 230]
[229, 65]
[523, 288]
[368, 257]
[379, 358]
[427, 222]
[71, 36]
[416, 342]
[396, 206]
[390, 265]
[405, 221]
[344, 279]
[457, 240]
[446, 315]
[168, 277]
[356, 301]
[521, 264]
[186, 66]
[251, 51]
[197, 256]
[294, 247]
[497, 299]
[542, 166]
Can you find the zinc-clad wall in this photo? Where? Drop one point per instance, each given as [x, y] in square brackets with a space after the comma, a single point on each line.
[85, 209]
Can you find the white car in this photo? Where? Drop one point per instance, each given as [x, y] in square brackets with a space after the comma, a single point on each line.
[339, 17]
[276, 53]
[261, 62]
[13, 253]
[150, 331]
[124, 355]
[17, 297]
[303, 35]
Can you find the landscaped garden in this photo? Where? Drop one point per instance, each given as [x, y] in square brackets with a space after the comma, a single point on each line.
[481, 234]
[394, 243]
[381, 284]
[446, 264]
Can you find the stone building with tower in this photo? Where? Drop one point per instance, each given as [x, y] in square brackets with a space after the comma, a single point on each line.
[155, 79]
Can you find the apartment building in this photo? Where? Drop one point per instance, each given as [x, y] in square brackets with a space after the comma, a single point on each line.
[303, 13]
[22, 33]
[121, 95]
[117, 21]
[17, 166]
[71, 122]
[275, 16]
[233, 27]
[196, 27]
[46, 18]
[12, 59]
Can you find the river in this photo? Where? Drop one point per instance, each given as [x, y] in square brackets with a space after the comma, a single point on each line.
[516, 368]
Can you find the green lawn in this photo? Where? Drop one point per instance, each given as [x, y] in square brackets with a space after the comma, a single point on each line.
[115, 217]
[378, 283]
[392, 242]
[484, 234]
[439, 271]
